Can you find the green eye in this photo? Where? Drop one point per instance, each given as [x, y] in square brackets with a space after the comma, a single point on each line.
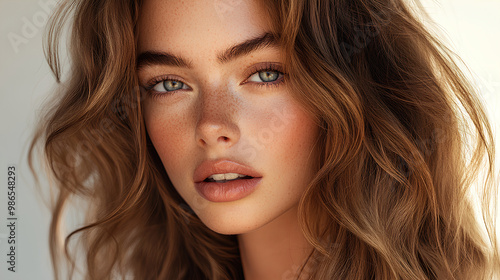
[266, 76]
[169, 85]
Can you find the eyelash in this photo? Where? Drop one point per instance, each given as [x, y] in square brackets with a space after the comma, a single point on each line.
[267, 67]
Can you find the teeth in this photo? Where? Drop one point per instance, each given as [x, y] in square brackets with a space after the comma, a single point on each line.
[226, 176]
[222, 178]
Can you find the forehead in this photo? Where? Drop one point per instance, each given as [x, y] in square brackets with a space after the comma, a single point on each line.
[181, 25]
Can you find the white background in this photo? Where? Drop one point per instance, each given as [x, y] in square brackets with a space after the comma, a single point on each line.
[471, 28]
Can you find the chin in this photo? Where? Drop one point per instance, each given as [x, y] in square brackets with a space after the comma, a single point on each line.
[229, 229]
[232, 224]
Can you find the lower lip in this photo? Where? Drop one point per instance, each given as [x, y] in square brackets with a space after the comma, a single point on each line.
[228, 191]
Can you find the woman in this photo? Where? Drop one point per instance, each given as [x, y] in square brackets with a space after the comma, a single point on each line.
[267, 140]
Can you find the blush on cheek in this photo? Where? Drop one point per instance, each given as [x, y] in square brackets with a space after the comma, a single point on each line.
[300, 137]
[168, 136]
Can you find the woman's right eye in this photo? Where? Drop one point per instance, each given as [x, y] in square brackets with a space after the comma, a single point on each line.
[168, 85]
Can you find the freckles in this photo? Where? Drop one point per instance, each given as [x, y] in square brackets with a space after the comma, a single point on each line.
[290, 124]
[298, 133]
[168, 134]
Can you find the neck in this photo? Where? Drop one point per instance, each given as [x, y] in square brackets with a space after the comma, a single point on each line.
[275, 251]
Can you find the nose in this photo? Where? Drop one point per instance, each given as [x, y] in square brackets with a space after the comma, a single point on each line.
[216, 123]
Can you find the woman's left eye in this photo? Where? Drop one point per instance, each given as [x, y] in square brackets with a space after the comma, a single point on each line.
[266, 76]
[169, 85]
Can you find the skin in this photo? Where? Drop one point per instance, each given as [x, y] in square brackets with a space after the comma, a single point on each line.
[222, 112]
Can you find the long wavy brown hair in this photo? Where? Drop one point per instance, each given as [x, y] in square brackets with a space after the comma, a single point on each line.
[404, 138]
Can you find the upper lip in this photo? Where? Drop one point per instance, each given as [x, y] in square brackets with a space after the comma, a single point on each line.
[221, 166]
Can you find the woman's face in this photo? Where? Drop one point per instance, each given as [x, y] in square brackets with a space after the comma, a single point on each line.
[217, 96]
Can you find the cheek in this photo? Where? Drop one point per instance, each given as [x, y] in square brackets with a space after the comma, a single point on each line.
[290, 133]
[288, 157]
[168, 135]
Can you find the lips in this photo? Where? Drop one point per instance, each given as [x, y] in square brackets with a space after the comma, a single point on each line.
[211, 167]
[228, 191]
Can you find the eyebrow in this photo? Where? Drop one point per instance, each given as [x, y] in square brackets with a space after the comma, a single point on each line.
[150, 58]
